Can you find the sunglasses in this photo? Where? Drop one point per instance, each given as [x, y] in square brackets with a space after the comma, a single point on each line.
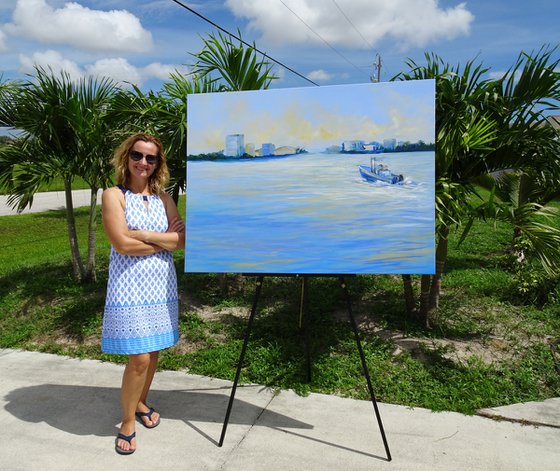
[137, 157]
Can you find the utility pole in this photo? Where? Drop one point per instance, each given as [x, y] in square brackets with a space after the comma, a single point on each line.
[377, 67]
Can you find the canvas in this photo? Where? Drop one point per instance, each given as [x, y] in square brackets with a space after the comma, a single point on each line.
[318, 180]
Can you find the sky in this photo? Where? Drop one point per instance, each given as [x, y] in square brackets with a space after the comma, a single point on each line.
[314, 117]
[328, 42]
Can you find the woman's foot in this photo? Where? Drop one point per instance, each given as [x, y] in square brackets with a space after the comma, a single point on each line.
[147, 416]
[125, 443]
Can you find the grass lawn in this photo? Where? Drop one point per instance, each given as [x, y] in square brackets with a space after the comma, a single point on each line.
[58, 185]
[488, 347]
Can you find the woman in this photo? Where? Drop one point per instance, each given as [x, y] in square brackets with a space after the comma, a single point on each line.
[141, 309]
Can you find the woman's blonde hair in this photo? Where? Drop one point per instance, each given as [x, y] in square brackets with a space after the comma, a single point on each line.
[158, 179]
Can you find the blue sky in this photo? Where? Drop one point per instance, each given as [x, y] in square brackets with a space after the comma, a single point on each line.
[329, 41]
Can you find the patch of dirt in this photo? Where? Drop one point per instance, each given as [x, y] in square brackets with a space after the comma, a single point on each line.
[185, 345]
[208, 313]
[491, 349]
[500, 345]
[211, 313]
[497, 347]
[62, 339]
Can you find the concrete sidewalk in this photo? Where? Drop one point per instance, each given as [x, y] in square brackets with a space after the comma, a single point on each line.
[60, 413]
[45, 201]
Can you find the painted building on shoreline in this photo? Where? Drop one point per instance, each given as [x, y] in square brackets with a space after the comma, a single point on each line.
[235, 145]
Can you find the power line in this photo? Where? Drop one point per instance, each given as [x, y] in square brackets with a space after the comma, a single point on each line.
[320, 37]
[244, 42]
[376, 66]
[352, 24]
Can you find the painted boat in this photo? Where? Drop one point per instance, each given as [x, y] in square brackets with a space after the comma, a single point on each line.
[379, 172]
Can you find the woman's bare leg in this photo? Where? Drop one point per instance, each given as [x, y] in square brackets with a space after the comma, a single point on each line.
[133, 382]
[142, 403]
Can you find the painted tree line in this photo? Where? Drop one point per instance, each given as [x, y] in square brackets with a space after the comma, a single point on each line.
[497, 156]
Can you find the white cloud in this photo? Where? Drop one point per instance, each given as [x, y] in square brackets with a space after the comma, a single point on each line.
[498, 74]
[52, 60]
[410, 23]
[162, 71]
[319, 76]
[279, 72]
[3, 46]
[117, 69]
[78, 26]
[122, 71]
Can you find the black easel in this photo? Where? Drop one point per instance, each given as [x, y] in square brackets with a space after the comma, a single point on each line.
[303, 304]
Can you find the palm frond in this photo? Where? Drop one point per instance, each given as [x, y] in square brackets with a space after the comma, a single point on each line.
[233, 63]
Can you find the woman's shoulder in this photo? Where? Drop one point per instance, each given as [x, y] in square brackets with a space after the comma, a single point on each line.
[164, 196]
[115, 189]
[167, 200]
[113, 193]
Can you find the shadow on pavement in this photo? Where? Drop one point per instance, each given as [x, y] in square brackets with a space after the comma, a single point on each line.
[90, 410]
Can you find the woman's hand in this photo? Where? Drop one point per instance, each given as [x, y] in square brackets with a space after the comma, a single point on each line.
[162, 240]
[176, 225]
[138, 235]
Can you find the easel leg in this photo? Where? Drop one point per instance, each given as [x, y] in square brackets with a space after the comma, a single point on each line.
[241, 357]
[364, 366]
[304, 324]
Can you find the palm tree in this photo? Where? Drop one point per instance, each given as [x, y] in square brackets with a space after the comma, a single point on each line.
[233, 66]
[522, 198]
[7, 88]
[485, 126]
[97, 136]
[464, 134]
[532, 181]
[65, 133]
[524, 170]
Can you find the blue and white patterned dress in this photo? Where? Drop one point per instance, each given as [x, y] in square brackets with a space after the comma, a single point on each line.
[141, 308]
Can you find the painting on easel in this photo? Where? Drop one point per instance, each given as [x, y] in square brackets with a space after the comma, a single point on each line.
[324, 180]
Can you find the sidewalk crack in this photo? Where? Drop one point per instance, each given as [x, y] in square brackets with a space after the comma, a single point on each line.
[244, 436]
[501, 418]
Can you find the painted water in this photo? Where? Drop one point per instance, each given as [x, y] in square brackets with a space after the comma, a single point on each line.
[310, 214]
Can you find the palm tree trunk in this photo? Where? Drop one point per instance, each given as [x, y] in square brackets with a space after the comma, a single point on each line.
[425, 282]
[441, 258]
[408, 295]
[223, 283]
[516, 247]
[175, 193]
[77, 265]
[90, 274]
[522, 198]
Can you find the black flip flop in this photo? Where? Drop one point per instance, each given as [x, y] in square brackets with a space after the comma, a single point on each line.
[149, 416]
[126, 438]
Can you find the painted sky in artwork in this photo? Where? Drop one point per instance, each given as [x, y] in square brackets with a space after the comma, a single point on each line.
[314, 117]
